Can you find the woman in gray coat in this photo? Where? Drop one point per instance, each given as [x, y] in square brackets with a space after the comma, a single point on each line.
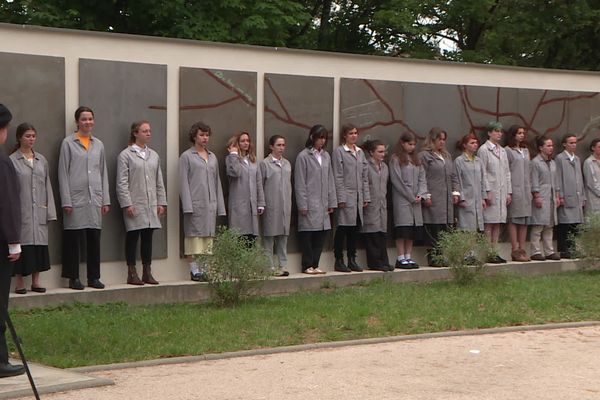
[37, 209]
[374, 226]
[545, 192]
[276, 173]
[246, 198]
[350, 171]
[519, 209]
[314, 188]
[141, 194]
[201, 197]
[83, 183]
[438, 209]
[591, 177]
[409, 187]
[572, 194]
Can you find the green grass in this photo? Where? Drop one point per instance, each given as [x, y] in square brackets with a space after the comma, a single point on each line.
[78, 335]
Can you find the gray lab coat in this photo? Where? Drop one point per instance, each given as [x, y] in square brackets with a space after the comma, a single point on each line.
[570, 181]
[408, 182]
[375, 214]
[36, 198]
[351, 184]
[471, 184]
[439, 175]
[497, 175]
[140, 184]
[83, 182]
[277, 187]
[245, 194]
[201, 193]
[314, 188]
[520, 175]
[591, 177]
[544, 181]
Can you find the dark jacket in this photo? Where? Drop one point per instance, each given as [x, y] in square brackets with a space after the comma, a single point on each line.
[10, 208]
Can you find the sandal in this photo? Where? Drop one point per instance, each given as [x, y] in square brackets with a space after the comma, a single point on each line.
[310, 271]
[319, 271]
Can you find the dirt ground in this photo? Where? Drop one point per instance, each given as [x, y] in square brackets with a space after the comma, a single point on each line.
[547, 364]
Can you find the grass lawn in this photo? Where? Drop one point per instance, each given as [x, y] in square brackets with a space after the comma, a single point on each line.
[81, 334]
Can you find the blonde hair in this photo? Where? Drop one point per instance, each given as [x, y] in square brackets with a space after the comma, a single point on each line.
[432, 136]
[235, 140]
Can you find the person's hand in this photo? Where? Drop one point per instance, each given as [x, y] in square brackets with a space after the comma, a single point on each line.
[490, 198]
[538, 202]
[232, 149]
[561, 201]
[365, 204]
[508, 199]
[105, 210]
[428, 203]
[329, 210]
[130, 211]
[68, 210]
[161, 210]
[557, 202]
[304, 213]
[342, 205]
[456, 199]
[14, 257]
[484, 204]
[261, 210]
[418, 199]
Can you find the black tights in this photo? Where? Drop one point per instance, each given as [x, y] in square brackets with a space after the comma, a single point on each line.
[146, 246]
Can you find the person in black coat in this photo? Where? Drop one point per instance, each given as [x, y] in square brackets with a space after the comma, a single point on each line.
[10, 233]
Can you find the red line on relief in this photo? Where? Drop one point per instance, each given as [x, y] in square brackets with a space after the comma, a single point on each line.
[380, 98]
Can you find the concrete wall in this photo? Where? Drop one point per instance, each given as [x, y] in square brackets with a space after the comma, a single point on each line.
[174, 82]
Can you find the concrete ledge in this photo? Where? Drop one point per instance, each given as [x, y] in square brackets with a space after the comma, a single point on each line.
[188, 291]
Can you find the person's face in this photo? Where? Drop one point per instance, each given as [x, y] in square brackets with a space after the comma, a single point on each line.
[28, 139]
[570, 144]
[548, 148]
[3, 134]
[520, 135]
[409, 147]
[143, 134]
[379, 153]
[244, 142]
[495, 135]
[202, 138]
[319, 143]
[471, 146]
[596, 150]
[278, 148]
[440, 143]
[352, 137]
[85, 123]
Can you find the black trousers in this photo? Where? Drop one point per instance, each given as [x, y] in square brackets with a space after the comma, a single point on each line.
[349, 234]
[6, 269]
[376, 247]
[432, 233]
[145, 247]
[72, 239]
[311, 246]
[563, 242]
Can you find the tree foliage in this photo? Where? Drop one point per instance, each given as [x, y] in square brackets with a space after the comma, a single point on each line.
[541, 33]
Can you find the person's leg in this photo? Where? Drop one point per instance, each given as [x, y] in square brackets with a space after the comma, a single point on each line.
[522, 236]
[93, 258]
[305, 243]
[514, 239]
[131, 240]
[547, 241]
[561, 239]
[338, 242]
[146, 251]
[370, 241]
[351, 235]
[281, 250]
[268, 243]
[534, 239]
[382, 258]
[70, 253]
[20, 284]
[318, 241]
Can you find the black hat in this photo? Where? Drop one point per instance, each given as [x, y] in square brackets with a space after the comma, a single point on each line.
[5, 116]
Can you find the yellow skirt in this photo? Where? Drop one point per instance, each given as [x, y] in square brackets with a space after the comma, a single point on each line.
[197, 245]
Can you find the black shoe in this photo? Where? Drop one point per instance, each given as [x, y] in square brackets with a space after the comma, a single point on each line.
[353, 265]
[553, 257]
[96, 284]
[566, 254]
[198, 276]
[340, 266]
[538, 257]
[75, 284]
[390, 267]
[403, 264]
[382, 268]
[496, 260]
[7, 369]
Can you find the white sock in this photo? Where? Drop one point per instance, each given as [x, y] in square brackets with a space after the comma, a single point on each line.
[401, 257]
[408, 256]
[194, 268]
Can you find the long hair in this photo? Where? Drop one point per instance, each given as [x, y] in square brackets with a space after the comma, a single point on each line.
[433, 135]
[134, 128]
[235, 140]
[403, 157]
[316, 132]
[21, 129]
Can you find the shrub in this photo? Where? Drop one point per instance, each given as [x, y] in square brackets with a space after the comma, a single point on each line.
[236, 268]
[465, 252]
[585, 243]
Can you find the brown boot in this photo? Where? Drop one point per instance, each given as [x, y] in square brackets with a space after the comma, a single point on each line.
[147, 275]
[132, 276]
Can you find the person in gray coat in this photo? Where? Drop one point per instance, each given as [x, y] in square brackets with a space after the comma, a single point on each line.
[276, 173]
[314, 188]
[546, 197]
[246, 199]
[572, 194]
[350, 171]
[470, 193]
[438, 209]
[591, 177]
[37, 209]
[499, 189]
[374, 226]
[142, 197]
[519, 209]
[409, 188]
[201, 197]
[83, 183]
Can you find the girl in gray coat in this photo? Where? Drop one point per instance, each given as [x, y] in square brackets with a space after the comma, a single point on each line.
[374, 226]
[37, 208]
[276, 173]
[519, 209]
[201, 197]
[572, 194]
[350, 171]
[409, 187]
[315, 197]
[246, 198]
[591, 177]
[83, 183]
[141, 194]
